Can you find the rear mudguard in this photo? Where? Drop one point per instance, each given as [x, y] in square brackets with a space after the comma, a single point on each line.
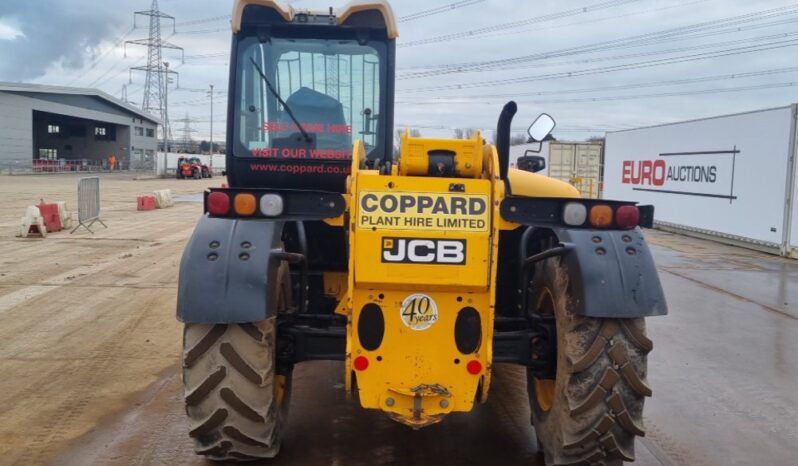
[612, 273]
[226, 270]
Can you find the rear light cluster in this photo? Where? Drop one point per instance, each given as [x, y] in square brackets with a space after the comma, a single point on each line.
[244, 204]
[577, 214]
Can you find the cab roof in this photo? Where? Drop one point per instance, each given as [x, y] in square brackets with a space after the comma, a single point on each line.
[342, 14]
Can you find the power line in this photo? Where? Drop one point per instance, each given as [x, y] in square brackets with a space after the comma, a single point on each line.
[97, 60]
[204, 31]
[188, 103]
[101, 82]
[717, 90]
[438, 10]
[721, 90]
[514, 130]
[642, 85]
[641, 54]
[204, 20]
[208, 55]
[613, 16]
[541, 59]
[190, 89]
[405, 18]
[733, 24]
[608, 69]
[516, 24]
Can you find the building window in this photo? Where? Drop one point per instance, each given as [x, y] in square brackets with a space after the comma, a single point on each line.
[105, 133]
[48, 154]
[150, 133]
[139, 131]
[53, 129]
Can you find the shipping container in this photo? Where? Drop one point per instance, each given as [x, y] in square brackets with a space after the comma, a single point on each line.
[729, 177]
[577, 163]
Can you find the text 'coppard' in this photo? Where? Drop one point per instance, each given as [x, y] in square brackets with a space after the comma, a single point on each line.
[423, 211]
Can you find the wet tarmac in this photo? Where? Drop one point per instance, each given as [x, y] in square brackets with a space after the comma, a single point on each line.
[724, 372]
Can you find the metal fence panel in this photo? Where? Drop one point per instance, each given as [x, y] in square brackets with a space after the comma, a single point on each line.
[88, 203]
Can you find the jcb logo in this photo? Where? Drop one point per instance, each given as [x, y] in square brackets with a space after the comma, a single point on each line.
[423, 250]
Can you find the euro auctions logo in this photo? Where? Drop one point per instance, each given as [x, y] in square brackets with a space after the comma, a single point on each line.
[657, 173]
[699, 173]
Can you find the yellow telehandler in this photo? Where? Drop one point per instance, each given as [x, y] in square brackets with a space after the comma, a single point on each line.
[419, 272]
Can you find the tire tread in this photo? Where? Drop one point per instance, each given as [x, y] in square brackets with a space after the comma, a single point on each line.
[244, 421]
[601, 399]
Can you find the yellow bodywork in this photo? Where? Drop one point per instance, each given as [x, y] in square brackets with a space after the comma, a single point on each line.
[417, 374]
[415, 154]
[530, 184]
[287, 12]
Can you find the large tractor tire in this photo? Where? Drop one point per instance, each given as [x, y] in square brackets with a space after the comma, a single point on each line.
[236, 401]
[591, 412]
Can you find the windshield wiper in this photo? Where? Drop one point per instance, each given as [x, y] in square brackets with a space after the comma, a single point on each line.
[280, 99]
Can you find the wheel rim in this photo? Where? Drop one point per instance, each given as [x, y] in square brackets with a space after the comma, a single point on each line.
[545, 388]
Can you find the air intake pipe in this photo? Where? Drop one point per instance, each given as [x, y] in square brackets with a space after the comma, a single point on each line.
[503, 141]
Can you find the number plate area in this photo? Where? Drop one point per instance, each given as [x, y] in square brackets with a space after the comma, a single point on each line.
[414, 230]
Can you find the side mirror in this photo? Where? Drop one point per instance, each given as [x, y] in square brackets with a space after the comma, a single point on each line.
[541, 127]
[531, 163]
[224, 172]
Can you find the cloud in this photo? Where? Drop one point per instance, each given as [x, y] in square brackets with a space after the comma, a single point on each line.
[9, 29]
[51, 31]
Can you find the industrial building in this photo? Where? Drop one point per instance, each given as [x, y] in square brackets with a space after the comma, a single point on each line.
[53, 128]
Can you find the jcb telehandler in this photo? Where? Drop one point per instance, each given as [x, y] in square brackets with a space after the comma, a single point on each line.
[419, 272]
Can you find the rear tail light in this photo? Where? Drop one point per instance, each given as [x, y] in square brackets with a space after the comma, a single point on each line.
[474, 367]
[627, 216]
[271, 205]
[601, 216]
[218, 203]
[361, 363]
[245, 204]
[574, 214]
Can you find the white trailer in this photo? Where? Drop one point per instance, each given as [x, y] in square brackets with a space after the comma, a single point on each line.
[730, 177]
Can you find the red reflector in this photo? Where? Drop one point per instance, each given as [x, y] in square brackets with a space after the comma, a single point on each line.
[474, 367]
[218, 203]
[627, 216]
[361, 363]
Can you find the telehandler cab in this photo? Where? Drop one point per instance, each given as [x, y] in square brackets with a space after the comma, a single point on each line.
[419, 272]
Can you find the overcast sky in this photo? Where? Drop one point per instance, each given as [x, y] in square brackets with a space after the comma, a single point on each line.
[594, 65]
